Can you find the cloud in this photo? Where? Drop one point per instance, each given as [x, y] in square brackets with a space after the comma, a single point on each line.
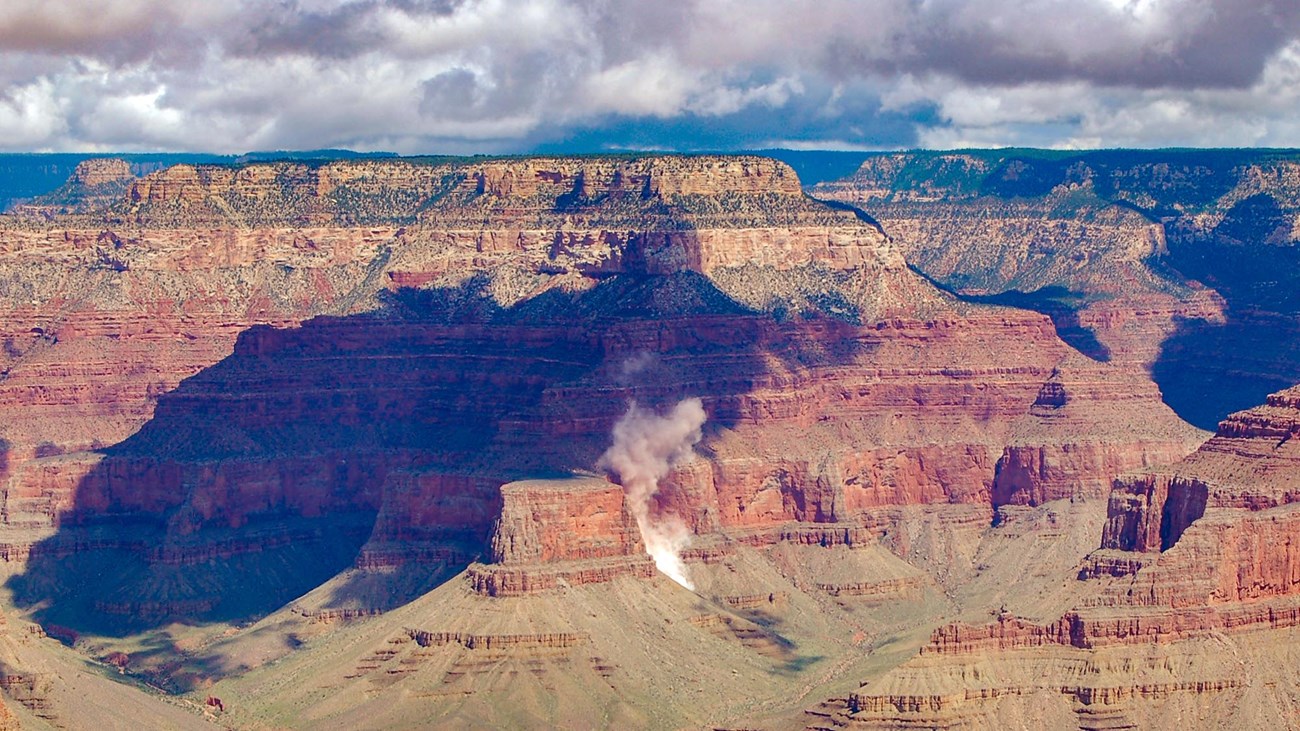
[655, 85]
[31, 114]
[646, 447]
[516, 75]
[1079, 115]
[1170, 43]
[125, 31]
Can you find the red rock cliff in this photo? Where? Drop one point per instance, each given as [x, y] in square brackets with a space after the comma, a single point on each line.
[488, 323]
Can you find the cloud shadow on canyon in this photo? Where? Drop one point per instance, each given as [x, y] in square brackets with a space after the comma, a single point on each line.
[1060, 304]
[1207, 369]
[369, 448]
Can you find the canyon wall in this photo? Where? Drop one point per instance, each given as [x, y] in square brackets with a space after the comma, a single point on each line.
[1179, 270]
[1193, 555]
[357, 385]
[357, 355]
[1180, 263]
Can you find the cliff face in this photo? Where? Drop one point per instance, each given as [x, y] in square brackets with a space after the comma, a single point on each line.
[1180, 263]
[170, 365]
[1175, 267]
[593, 217]
[1250, 464]
[378, 389]
[531, 190]
[551, 531]
[1201, 549]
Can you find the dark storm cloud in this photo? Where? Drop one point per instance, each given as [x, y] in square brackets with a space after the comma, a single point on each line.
[1223, 43]
[342, 33]
[859, 124]
[111, 31]
[334, 31]
[493, 75]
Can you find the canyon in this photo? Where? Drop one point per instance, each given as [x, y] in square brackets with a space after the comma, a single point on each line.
[319, 442]
[1189, 605]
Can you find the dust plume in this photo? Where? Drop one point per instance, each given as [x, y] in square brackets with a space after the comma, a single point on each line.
[646, 446]
[639, 363]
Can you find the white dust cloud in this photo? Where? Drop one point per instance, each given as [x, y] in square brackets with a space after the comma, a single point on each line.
[646, 446]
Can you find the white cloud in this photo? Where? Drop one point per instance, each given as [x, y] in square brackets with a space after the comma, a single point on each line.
[31, 115]
[1263, 114]
[497, 74]
[655, 85]
[731, 99]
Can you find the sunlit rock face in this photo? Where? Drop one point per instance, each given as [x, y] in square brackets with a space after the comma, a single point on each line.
[365, 389]
[388, 342]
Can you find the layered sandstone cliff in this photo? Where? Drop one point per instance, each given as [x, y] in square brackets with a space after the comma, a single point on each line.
[346, 380]
[1177, 263]
[347, 385]
[560, 532]
[1193, 555]
[491, 321]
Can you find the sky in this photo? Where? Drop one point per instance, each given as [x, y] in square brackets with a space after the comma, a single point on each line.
[493, 76]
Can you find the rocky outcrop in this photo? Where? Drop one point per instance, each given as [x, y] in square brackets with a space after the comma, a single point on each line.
[95, 184]
[1105, 689]
[304, 369]
[451, 194]
[1059, 237]
[1222, 522]
[28, 688]
[1028, 200]
[1252, 464]
[545, 521]
[1204, 548]
[1176, 264]
[1079, 434]
[554, 533]
[102, 171]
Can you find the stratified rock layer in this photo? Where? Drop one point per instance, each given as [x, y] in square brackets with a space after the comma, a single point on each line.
[1182, 263]
[554, 532]
[1194, 551]
[225, 357]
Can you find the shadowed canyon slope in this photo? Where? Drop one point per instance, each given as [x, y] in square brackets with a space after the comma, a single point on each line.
[1183, 617]
[1183, 261]
[341, 422]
